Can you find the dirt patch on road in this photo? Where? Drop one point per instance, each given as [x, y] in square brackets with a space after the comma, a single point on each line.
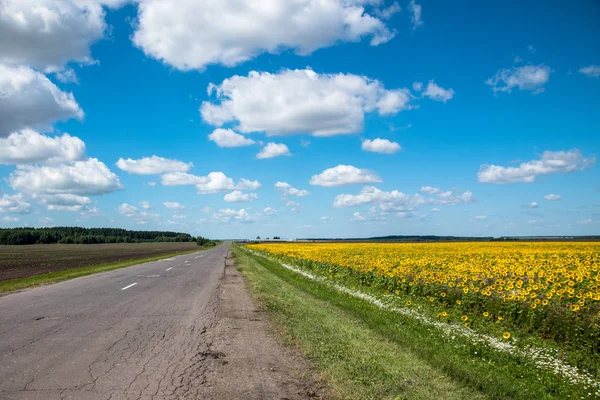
[246, 360]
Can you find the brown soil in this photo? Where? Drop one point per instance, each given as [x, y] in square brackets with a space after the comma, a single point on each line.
[24, 261]
[247, 361]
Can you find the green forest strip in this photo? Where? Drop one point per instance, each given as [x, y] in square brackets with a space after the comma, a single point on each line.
[365, 352]
[64, 275]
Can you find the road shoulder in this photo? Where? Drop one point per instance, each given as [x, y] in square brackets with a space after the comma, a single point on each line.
[247, 361]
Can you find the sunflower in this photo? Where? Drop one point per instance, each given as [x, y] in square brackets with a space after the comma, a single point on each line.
[486, 314]
[506, 335]
[408, 303]
[464, 318]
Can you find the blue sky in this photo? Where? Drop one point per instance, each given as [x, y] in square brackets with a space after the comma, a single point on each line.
[308, 119]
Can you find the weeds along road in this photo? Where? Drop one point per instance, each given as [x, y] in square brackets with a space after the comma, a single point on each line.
[134, 333]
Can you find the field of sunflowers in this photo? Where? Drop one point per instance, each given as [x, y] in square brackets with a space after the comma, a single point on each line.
[547, 290]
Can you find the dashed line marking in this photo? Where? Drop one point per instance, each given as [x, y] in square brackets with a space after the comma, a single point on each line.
[128, 286]
[168, 269]
[152, 276]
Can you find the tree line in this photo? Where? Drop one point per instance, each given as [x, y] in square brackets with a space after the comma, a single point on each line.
[77, 235]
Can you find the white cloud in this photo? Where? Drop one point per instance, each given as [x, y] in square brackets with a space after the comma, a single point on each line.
[228, 138]
[272, 150]
[214, 182]
[383, 146]
[528, 77]
[430, 190]
[173, 206]
[14, 204]
[198, 33]
[179, 216]
[417, 86]
[89, 177]
[533, 204]
[151, 184]
[153, 165]
[531, 49]
[289, 190]
[435, 209]
[551, 197]
[47, 34]
[217, 182]
[67, 76]
[438, 93]
[245, 184]
[145, 205]
[67, 202]
[370, 194]
[398, 201]
[10, 219]
[301, 101]
[592, 71]
[227, 215]
[29, 100]
[416, 11]
[388, 12]
[344, 175]
[270, 211]
[140, 217]
[30, 147]
[552, 162]
[239, 197]
[324, 219]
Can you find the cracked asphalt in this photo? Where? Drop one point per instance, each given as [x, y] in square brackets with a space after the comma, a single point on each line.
[142, 332]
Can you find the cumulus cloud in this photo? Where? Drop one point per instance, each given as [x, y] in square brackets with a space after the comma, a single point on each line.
[300, 101]
[344, 175]
[84, 178]
[416, 10]
[269, 211]
[245, 184]
[29, 100]
[173, 206]
[198, 33]
[9, 219]
[14, 204]
[430, 190]
[289, 190]
[214, 182]
[239, 197]
[152, 165]
[438, 93]
[533, 204]
[47, 34]
[388, 12]
[551, 197]
[592, 71]
[145, 204]
[228, 138]
[383, 146]
[30, 147]
[552, 162]
[227, 215]
[67, 202]
[140, 217]
[399, 201]
[272, 150]
[528, 77]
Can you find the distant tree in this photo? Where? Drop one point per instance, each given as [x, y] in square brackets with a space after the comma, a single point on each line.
[258, 238]
[276, 237]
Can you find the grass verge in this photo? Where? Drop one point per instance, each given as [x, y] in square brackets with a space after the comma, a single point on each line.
[64, 275]
[364, 352]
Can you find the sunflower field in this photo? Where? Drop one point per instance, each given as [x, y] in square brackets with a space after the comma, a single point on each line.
[550, 290]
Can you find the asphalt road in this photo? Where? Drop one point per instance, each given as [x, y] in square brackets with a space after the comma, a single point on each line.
[133, 333]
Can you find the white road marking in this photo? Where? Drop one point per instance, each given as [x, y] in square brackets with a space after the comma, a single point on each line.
[186, 262]
[168, 269]
[127, 287]
[152, 276]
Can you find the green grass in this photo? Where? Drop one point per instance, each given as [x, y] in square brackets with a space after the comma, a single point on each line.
[64, 275]
[364, 352]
